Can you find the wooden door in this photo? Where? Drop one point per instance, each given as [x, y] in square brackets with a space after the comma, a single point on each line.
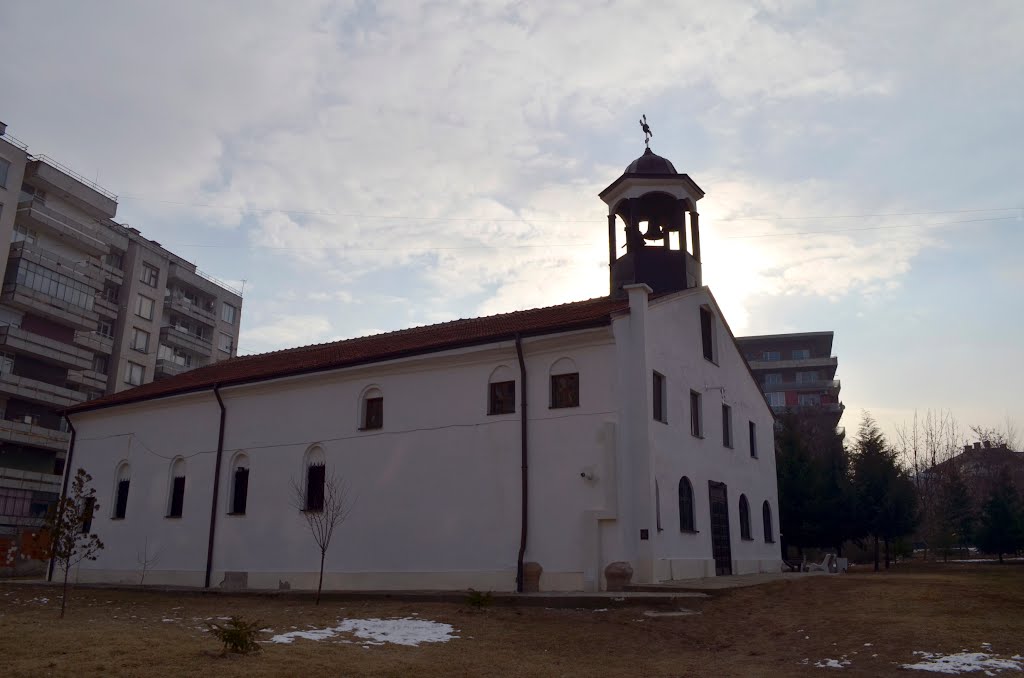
[720, 545]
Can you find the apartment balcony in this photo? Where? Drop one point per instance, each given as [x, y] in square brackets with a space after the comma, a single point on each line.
[79, 236]
[105, 306]
[830, 386]
[24, 433]
[25, 298]
[37, 391]
[821, 408]
[180, 338]
[193, 277]
[802, 364]
[87, 195]
[112, 273]
[86, 271]
[90, 379]
[169, 368]
[94, 342]
[195, 311]
[30, 480]
[51, 350]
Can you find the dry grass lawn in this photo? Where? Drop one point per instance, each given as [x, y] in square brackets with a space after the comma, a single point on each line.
[775, 629]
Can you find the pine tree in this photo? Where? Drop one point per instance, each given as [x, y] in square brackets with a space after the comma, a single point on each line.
[1002, 524]
[955, 513]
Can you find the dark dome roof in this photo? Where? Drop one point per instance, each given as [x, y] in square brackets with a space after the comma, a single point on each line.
[649, 163]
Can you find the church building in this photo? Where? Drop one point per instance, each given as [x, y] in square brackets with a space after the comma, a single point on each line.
[568, 448]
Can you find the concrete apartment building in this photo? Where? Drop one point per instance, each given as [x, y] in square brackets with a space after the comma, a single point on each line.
[797, 372]
[89, 307]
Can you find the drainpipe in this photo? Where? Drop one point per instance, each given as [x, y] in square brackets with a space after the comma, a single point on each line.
[64, 486]
[216, 486]
[525, 458]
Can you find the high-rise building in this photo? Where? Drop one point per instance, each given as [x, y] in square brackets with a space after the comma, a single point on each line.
[88, 307]
[797, 373]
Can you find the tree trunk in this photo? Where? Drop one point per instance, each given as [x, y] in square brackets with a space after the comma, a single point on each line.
[876, 553]
[64, 594]
[320, 584]
[887, 553]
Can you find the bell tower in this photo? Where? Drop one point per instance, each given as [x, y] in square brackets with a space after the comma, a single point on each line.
[657, 207]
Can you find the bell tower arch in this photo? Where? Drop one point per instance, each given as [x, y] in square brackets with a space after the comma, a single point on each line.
[656, 208]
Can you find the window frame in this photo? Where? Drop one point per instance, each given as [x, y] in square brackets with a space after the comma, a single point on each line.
[744, 510]
[708, 335]
[564, 396]
[224, 312]
[238, 506]
[128, 373]
[138, 307]
[316, 485]
[506, 401]
[231, 343]
[136, 332]
[696, 414]
[686, 502]
[727, 437]
[752, 430]
[766, 522]
[5, 170]
[150, 275]
[659, 397]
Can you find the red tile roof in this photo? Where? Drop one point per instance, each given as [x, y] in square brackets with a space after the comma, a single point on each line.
[376, 348]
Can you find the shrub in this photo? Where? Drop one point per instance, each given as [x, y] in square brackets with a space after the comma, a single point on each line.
[479, 599]
[238, 636]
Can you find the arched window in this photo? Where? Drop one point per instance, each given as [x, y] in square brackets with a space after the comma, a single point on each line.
[565, 384]
[766, 516]
[239, 484]
[744, 517]
[501, 391]
[316, 477]
[371, 409]
[124, 479]
[176, 501]
[686, 523]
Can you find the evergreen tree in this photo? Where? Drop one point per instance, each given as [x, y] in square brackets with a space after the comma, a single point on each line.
[1002, 524]
[796, 477]
[955, 514]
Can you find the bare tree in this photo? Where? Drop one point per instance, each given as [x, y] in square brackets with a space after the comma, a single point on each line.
[146, 560]
[324, 504]
[67, 529]
[998, 436]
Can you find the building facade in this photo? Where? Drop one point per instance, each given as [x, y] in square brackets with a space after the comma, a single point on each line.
[89, 307]
[797, 373]
[624, 433]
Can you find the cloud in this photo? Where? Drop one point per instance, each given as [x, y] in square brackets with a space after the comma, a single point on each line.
[285, 330]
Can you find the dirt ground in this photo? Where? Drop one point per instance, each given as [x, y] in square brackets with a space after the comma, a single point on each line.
[873, 621]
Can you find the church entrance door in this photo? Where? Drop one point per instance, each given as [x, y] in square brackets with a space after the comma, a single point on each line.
[720, 546]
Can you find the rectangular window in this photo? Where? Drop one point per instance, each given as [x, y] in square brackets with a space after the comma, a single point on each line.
[501, 398]
[121, 505]
[56, 285]
[140, 340]
[228, 313]
[565, 390]
[144, 308]
[88, 510]
[150, 275]
[133, 373]
[6, 363]
[777, 399]
[227, 343]
[374, 415]
[316, 475]
[658, 395]
[5, 166]
[105, 328]
[177, 497]
[771, 355]
[241, 490]
[22, 233]
[801, 354]
[805, 377]
[111, 292]
[707, 337]
[809, 400]
[114, 259]
[100, 363]
[753, 440]
[726, 425]
[696, 427]
[772, 379]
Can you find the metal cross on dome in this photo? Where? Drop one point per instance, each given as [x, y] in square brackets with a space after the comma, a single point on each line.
[647, 131]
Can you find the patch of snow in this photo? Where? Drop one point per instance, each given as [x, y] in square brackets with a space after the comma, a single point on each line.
[601, 609]
[807, 637]
[963, 662]
[165, 619]
[404, 631]
[832, 663]
[867, 644]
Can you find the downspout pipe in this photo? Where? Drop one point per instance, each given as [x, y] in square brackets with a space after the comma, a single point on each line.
[524, 454]
[64, 485]
[216, 486]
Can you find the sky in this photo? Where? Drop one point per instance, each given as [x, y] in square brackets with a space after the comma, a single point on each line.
[363, 167]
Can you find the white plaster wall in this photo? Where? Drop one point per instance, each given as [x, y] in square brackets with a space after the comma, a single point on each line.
[676, 352]
[436, 492]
